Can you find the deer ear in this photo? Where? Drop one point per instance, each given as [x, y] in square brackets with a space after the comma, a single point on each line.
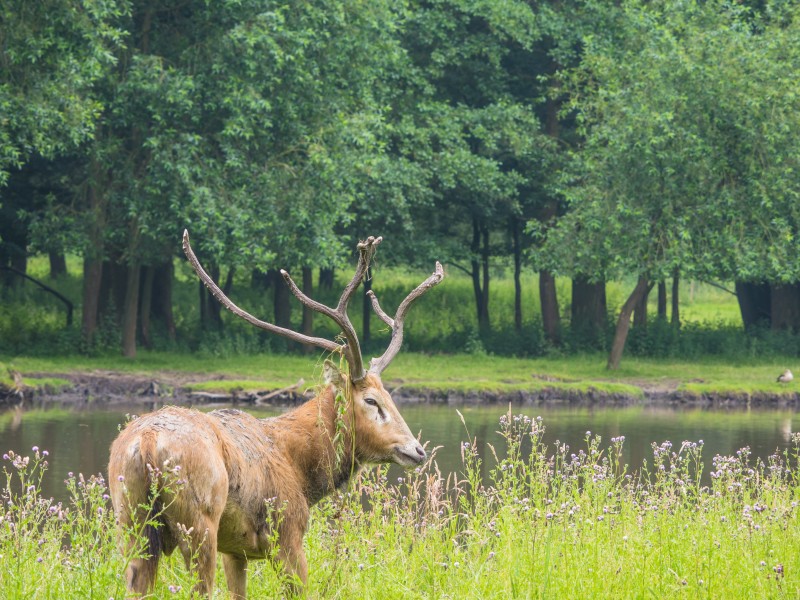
[332, 374]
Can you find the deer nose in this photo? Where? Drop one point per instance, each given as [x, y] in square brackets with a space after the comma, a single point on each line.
[420, 452]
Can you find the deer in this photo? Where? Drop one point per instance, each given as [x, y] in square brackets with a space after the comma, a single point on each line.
[246, 485]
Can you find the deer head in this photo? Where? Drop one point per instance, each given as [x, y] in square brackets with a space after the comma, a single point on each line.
[381, 434]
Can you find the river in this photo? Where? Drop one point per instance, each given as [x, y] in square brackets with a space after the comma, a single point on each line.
[78, 440]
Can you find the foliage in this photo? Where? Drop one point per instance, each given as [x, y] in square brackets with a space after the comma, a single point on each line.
[680, 169]
[54, 52]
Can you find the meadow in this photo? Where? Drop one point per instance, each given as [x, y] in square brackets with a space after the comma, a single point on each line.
[552, 522]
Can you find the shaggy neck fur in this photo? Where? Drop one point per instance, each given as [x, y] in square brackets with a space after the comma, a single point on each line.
[314, 452]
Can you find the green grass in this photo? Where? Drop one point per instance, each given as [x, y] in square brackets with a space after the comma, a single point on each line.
[460, 373]
[552, 523]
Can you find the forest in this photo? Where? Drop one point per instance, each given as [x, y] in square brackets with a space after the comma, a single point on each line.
[639, 144]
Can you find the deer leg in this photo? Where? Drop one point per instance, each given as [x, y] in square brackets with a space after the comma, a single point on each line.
[141, 575]
[235, 575]
[293, 559]
[199, 551]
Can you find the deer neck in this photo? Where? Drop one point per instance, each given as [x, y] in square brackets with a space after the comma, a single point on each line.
[325, 455]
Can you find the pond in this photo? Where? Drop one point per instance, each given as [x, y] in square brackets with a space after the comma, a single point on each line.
[78, 441]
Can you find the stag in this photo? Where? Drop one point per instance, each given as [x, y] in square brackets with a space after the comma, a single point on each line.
[246, 485]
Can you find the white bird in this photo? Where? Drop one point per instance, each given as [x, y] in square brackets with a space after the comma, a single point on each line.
[785, 377]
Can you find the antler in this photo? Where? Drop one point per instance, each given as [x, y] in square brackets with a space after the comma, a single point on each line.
[351, 348]
[378, 364]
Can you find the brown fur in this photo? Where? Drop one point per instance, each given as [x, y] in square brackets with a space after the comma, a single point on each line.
[244, 476]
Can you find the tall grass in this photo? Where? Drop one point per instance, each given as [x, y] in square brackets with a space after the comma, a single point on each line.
[551, 522]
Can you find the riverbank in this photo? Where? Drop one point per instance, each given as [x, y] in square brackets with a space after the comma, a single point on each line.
[413, 378]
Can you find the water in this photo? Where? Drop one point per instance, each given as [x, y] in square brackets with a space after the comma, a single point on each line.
[78, 441]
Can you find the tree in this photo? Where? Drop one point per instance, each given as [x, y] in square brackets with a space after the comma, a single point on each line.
[53, 52]
[469, 129]
[244, 124]
[647, 187]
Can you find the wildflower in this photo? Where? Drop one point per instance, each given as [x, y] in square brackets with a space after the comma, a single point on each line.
[70, 474]
[39, 559]
[5, 457]
[491, 554]
[45, 453]
[174, 589]
[360, 566]
[121, 478]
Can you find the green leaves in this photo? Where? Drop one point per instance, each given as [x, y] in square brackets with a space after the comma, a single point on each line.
[690, 136]
[53, 52]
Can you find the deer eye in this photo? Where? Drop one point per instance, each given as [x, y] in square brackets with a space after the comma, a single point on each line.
[371, 401]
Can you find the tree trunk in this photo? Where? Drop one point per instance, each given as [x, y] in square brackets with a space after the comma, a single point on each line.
[517, 273]
[213, 307]
[308, 313]
[588, 311]
[92, 278]
[640, 310]
[93, 259]
[785, 307]
[112, 292]
[325, 278]
[130, 310]
[754, 303]
[483, 322]
[145, 305]
[624, 323]
[475, 269]
[282, 306]
[260, 280]
[161, 305]
[675, 318]
[662, 301]
[202, 300]
[549, 302]
[58, 264]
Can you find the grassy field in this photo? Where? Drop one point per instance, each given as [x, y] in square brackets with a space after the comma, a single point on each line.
[553, 523]
[458, 373]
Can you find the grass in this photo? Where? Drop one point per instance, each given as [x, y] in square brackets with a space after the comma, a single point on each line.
[459, 373]
[553, 522]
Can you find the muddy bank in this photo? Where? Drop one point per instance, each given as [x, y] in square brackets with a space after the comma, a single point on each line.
[109, 388]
